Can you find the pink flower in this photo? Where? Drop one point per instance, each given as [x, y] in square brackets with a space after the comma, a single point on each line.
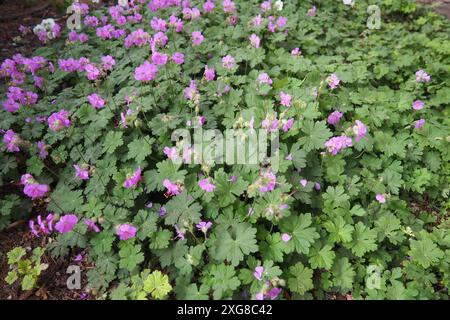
[171, 153]
[380, 198]
[336, 144]
[180, 233]
[35, 190]
[178, 58]
[146, 72]
[418, 105]
[126, 231]
[317, 186]
[419, 123]
[228, 6]
[208, 6]
[422, 76]
[59, 120]
[312, 11]
[259, 296]
[304, 182]
[259, 270]
[42, 149]
[108, 62]
[281, 22]
[267, 182]
[10, 105]
[92, 71]
[191, 92]
[159, 59]
[228, 62]
[66, 223]
[209, 74]
[206, 185]
[133, 179]
[285, 99]
[12, 141]
[81, 173]
[360, 130]
[43, 226]
[288, 124]
[255, 40]
[264, 78]
[91, 225]
[204, 226]
[286, 237]
[172, 188]
[158, 24]
[197, 38]
[273, 293]
[96, 101]
[334, 117]
[333, 81]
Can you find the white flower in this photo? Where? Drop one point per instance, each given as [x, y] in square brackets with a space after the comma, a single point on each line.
[278, 5]
[349, 2]
[123, 3]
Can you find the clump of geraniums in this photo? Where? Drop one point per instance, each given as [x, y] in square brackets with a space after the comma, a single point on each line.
[92, 116]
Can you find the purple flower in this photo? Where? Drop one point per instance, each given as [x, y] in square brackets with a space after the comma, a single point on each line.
[281, 22]
[380, 198]
[273, 293]
[209, 74]
[255, 40]
[159, 59]
[206, 185]
[59, 120]
[288, 124]
[96, 101]
[259, 296]
[419, 123]
[80, 173]
[126, 231]
[296, 52]
[312, 11]
[418, 105]
[11, 141]
[66, 223]
[178, 58]
[191, 92]
[42, 149]
[422, 76]
[208, 6]
[180, 233]
[228, 62]
[133, 179]
[204, 226]
[43, 226]
[286, 237]
[336, 144]
[197, 38]
[172, 188]
[285, 99]
[92, 71]
[317, 186]
[258, 272]
[288, 157]
[35, 190]
[360, 130]
[264, 78]
[171, 153]
[270, 125]
[228, 6]
[267, 182]
[335, 117]
[10, 105]
[146, 72]
[333, 81]
[91, 225]
[108, 62]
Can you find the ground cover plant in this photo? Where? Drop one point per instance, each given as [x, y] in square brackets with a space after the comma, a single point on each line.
[353, 203]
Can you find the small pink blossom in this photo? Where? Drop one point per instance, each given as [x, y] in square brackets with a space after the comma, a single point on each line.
[228, 62]
[96, 101]
[133, 179]
[380, 198]
[209, 73]
[304, 182]
[418, 105]
[126, 231]
[285, 99]
[146, 72]
[80, 173]
[333, 81]
[334, 117]
[91, 225]
[286, 237]
[172, 188]
[206, 185]
[258, 274]
[255, 40]
[66, 223]
[204, 226]
[197, 38]
[419, 123]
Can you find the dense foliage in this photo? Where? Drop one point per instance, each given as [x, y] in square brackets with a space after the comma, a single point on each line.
[363, 181]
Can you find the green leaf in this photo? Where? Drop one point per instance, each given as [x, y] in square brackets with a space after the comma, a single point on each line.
[157, 285]
[425, 252]
[363, 240]
[343, 274]
[321, 257]
[113, 140]
[64, 200]
[130, 256]
[339, 230]
[182, 209]
[139, 149]
[224, 281]
[316, 135]
[299, 227]
[234, 243]
[301, 278]
[273, 247]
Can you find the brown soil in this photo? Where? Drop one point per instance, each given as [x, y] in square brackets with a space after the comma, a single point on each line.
[51, 283]
[442, 6]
